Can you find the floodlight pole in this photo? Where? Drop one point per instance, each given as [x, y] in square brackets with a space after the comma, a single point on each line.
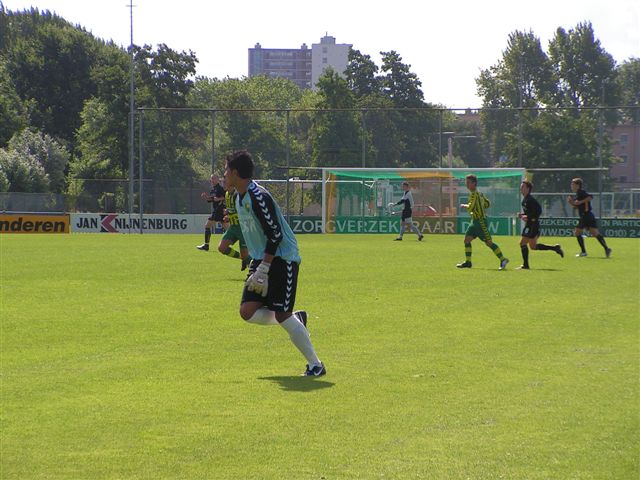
[131, 114]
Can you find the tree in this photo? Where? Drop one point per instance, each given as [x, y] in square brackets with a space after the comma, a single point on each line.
[94, 157]
[34, 146]
[523, 78]
[13, 112]
[575, 74]
[165, 80]
[23, 172]
[398, 82]
[52, 67]
[585, 71]
[336, 136]
[629, 86]
[362, 75]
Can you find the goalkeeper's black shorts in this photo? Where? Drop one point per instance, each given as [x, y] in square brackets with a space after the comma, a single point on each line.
[283, 280]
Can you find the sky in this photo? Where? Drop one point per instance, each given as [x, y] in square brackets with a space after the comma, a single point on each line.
[446, 44]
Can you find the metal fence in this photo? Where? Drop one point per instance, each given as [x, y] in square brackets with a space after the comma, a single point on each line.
[177, 149]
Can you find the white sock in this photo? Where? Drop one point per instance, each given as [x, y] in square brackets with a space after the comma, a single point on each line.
[263, 316]
[300, 338]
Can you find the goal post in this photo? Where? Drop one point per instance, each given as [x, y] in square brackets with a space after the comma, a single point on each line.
[356, 200]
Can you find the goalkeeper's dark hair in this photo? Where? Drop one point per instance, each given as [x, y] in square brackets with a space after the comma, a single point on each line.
[577, 181]
[473, 178]
[242, 162]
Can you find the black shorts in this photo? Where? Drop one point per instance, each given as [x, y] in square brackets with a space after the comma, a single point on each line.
[531, 230]
[283, 280]
[406, 214]
[217, 215]
[588, 220]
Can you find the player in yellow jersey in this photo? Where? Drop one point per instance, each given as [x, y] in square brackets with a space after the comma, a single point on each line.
[233, 233]
[478, 228]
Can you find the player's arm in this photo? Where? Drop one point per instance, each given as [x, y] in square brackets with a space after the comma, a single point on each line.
[473, 201]
[586, 199]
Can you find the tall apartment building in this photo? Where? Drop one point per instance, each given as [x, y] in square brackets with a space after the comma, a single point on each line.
[626, 146]
[303, 66]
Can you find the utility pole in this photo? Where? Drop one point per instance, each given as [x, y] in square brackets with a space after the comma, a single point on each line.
[131, 114]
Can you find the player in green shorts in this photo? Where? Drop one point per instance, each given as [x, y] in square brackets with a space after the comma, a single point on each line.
[233, 233]
[478, 228]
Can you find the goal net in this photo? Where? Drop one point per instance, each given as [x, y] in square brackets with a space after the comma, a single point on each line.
[356, 200]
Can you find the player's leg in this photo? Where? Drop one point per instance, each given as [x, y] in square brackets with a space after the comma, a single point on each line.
[578, 234]
[207, 235]
[283, 280]
[468, 238]
[524, 249]
[596, 233]
[414, 229]
[402, 229]
[229, 238]
[542, 246]
[486, 237]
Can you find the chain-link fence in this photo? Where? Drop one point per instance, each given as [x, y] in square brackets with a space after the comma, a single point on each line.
[177, 149]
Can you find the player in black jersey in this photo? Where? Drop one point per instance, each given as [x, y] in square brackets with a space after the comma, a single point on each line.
[216, 199]
[582, 201]
[531, 211]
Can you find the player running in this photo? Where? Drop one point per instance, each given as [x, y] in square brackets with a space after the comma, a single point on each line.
[478, 228]
[407, 207]
[582, 201]
[270, 290]
[233, 233]
[216, 199]
[531, 211]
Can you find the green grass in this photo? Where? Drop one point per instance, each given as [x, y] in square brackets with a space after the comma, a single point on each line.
[124, 357]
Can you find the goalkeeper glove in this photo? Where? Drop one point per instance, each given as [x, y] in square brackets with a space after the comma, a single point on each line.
[391, 204]
[258, 281]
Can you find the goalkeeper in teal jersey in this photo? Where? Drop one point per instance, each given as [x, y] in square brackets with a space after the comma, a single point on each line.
[478, 228]
[270, 289]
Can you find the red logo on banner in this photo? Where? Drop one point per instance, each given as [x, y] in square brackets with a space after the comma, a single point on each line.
[105, 223]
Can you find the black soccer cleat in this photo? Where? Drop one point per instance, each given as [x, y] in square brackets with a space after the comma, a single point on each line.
[523, 267]
[420, 238]
[302, 316]
[203, 247]
[315, 371]
[399, 239]
[466, 264]
[558, 249]
[608, 252]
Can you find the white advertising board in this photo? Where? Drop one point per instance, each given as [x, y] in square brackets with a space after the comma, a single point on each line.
[124, 223]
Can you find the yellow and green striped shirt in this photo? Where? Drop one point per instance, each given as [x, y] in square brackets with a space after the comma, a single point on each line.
[477, 204]
[232, 213]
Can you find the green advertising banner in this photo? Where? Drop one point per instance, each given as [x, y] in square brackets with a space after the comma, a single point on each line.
[391, 224]
[609, 227]
[549, 227]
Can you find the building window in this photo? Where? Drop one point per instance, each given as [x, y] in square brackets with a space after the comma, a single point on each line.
[623, 179]
[324, 59]
[324, 49]
[624, 139]
[623, 159]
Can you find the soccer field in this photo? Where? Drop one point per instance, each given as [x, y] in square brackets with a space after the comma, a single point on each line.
[124, 357]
